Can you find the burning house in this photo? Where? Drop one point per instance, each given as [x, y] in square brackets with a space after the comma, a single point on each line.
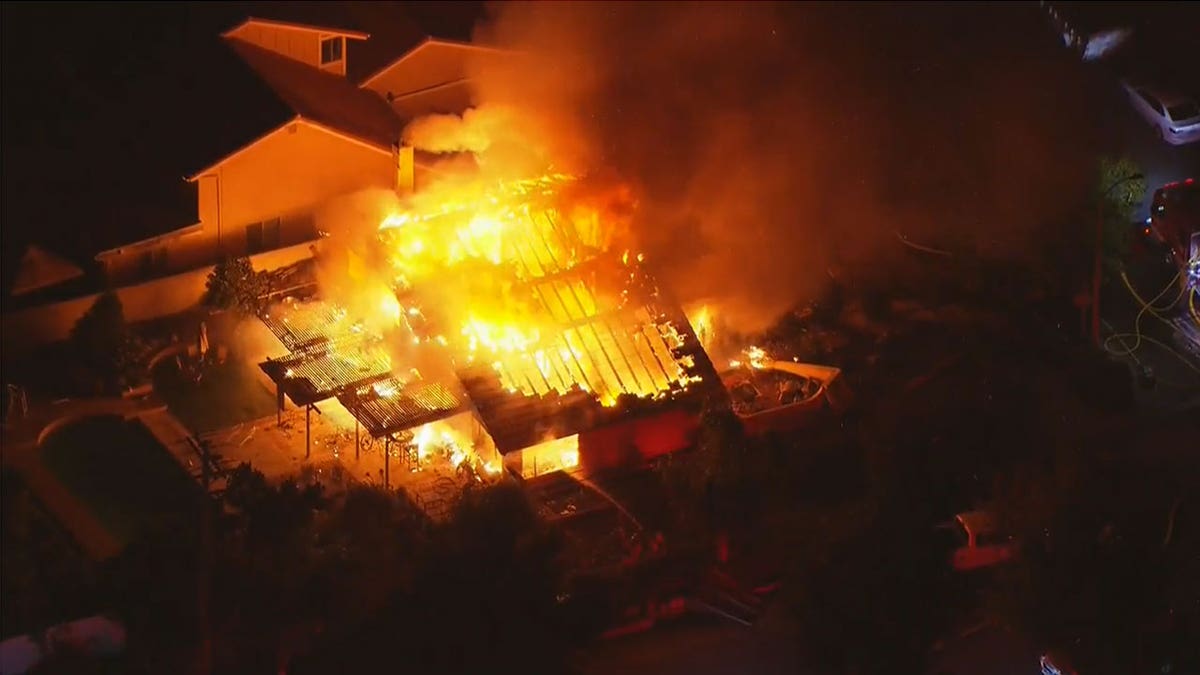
[486, 303]
[511, 327]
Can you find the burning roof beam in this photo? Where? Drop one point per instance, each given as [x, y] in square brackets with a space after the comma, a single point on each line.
[388, 407]
[305, 326]
[308, 378]
[590, 350]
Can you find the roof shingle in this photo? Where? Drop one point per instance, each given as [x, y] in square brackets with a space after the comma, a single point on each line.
[322, 97]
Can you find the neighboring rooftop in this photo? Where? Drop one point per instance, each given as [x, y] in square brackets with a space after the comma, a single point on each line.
[40, 269]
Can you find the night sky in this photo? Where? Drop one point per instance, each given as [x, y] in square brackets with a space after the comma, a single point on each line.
[104, 107]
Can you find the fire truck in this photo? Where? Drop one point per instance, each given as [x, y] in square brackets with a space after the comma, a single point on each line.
[1174, 222]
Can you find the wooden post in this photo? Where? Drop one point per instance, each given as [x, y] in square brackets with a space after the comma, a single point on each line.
[356, 439]
[387, 454]
[278, 404]
[307, 431]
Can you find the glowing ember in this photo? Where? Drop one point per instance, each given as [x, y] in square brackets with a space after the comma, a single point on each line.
[439, 438]
[569, 458]
[702, 324]
[390, 307]
[756, 357]
[386, 389]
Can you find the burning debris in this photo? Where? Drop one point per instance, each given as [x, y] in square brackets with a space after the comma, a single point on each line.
[520, 300]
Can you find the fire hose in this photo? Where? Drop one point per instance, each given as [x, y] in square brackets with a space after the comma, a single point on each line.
[1137, 329]
[1149, 307]
[921, 247]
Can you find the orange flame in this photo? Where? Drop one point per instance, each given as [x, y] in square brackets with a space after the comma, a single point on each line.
[523, 309]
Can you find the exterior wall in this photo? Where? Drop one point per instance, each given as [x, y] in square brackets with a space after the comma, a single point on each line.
[301, 45]
[428, 65]
[290, 171]
[637, 441]
[625, 444]
[169, 295]
[285, 175]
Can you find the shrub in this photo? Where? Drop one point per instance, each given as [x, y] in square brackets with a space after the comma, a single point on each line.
[234, 285]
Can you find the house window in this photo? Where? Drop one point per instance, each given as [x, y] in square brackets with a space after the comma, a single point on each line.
[271, 234]
[263, 236]
[331, 50]
[254, 237]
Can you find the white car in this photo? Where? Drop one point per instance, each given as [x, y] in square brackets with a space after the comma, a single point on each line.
[1175, 118]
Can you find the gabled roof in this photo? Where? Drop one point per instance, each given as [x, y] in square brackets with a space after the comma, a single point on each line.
[231, 104]
[40, 268]
[299, 90]
[422, 46]
[324, 30]
[323, 97]
[450, 97]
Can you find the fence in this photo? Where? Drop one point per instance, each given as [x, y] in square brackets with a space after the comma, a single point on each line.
[170, 295]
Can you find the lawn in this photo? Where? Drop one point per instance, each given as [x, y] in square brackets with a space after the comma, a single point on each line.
[120, 471]
[228, 394]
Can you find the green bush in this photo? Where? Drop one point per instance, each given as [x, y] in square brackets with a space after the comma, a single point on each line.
[234, 285]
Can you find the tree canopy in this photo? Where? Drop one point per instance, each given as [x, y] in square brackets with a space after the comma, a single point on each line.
[1110, 547]
[1120, 187]
[103, 340]
[317, 582]
[234, 285]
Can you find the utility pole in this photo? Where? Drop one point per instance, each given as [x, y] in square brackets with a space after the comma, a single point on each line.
[1097, 262]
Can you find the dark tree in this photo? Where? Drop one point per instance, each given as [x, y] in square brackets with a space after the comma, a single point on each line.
[870, 586]
[486, 598]
[1110, 552]
[234, 285]
[706, 484]
[1119, 188]
[103, 341]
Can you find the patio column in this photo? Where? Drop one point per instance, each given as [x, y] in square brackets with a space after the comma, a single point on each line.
[356, 439]
[307, 430]
[387, 454]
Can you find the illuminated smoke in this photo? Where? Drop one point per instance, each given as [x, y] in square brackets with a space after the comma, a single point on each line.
[771, 142]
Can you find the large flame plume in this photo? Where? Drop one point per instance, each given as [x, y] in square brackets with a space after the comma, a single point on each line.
[531, 277]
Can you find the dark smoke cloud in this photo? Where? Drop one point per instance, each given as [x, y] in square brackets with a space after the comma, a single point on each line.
[769, 142]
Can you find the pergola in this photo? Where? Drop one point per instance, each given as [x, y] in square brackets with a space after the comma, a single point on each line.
[390, 410]
[331, 358]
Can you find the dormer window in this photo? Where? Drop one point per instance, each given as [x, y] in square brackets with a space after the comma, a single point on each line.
[331, 50]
